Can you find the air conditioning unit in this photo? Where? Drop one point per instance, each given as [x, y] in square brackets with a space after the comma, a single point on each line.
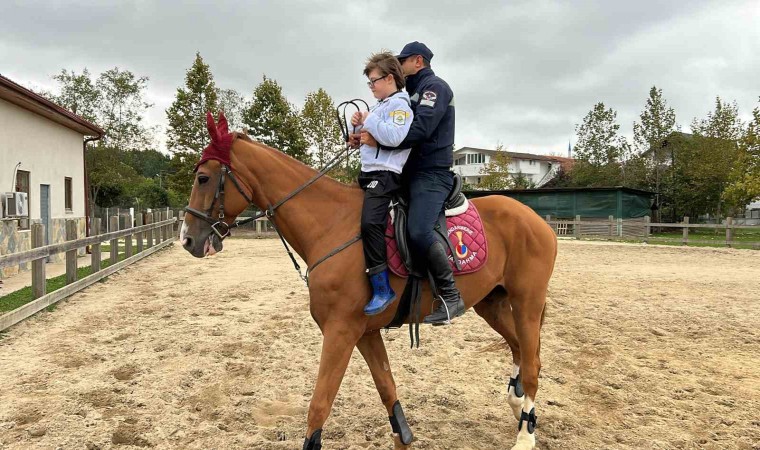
[16, 204]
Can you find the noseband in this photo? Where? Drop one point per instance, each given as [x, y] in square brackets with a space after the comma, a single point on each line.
[220, 227]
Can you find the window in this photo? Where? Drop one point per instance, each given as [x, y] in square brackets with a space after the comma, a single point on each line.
[67, 187]
[459, 161]
[531, 162]
[22, 185]
[477, 158]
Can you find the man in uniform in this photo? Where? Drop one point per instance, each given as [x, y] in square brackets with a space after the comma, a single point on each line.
[427, 176]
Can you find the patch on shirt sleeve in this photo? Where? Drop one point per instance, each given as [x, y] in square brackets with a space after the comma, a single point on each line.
[399, 116]
[428, 98]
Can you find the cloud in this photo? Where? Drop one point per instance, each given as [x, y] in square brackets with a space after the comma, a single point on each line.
[524, 73]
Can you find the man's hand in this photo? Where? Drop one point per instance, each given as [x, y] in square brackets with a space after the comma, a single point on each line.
[353, 140]
[367, 139]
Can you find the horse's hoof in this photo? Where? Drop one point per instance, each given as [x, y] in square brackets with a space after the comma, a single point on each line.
[525, 442]
[398, 445]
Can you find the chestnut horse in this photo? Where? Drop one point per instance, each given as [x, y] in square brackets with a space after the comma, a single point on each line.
[509, 292]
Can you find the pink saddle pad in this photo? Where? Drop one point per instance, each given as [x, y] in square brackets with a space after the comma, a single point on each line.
[465, 231]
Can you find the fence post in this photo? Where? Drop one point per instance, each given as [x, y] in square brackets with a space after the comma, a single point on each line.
[71, 255]
[258, 226]
[620, 227]
[170, 227]
[95, 261]
[612, 220]
[157, 234]
[38, 265]
[577, 227]
[646, 229]
[139, 235]
[729, 231]
[685, 240]
[164, 234]
[149, 233]
[128, 239]
[114, 225]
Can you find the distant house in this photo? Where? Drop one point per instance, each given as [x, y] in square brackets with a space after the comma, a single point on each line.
[470, 162]
[41, 160]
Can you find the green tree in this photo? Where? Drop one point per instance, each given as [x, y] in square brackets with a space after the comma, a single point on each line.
[495, 172]
[273, 121]
[122, 110]
[599, 150]
[744, 180]
[109, 176]
[78, 94]
[232, 103]
[186, 135]
[320, 127]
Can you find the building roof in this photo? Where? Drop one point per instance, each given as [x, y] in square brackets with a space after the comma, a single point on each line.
[567, 189]
[24, 98]
[516, 155]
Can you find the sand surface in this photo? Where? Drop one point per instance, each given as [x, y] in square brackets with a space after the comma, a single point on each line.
[643, 347]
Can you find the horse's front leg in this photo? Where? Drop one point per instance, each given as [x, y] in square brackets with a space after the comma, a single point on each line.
[338, 342]
[372, 348]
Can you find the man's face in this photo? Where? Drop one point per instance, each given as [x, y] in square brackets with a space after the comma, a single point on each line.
[409, 65]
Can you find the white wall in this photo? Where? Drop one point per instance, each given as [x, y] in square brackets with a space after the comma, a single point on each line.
[49, 151]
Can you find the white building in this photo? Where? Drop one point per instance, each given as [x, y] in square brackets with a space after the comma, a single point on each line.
[41, 155]
[469, 162]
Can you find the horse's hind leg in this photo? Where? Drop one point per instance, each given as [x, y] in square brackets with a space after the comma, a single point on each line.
[528, 309]
[372, 348]
[497, 313]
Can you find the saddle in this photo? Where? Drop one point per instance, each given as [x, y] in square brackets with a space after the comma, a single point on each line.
[460, 219]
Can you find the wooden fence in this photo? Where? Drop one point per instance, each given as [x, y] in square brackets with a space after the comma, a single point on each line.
[140, 240]
[641, 229]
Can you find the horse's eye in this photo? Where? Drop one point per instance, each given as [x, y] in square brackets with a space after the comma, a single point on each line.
[202, 179]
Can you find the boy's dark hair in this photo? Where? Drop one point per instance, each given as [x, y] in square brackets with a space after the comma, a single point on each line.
[387, 64]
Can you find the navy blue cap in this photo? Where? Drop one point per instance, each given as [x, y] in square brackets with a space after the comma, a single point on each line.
[416, 48]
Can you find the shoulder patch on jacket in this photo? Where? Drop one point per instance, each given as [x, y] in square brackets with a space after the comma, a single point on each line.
[399, 116]
[428, 98]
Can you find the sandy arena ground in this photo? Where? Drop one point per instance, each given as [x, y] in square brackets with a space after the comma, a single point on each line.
[643, 347]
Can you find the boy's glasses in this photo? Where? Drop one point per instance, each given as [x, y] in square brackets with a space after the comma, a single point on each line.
[371, 82]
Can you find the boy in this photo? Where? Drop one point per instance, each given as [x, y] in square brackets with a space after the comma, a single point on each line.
[388, 122]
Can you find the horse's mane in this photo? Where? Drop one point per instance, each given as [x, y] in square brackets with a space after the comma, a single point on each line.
[243, 136]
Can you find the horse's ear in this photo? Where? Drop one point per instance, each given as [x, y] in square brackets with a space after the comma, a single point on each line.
[211, 127]
[223, 126]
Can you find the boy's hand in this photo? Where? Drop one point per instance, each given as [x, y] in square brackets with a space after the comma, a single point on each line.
[367, 139]
[353, 140]
[357, 119]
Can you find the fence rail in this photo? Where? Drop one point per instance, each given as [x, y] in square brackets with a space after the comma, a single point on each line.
[155, 234]
[627, 229]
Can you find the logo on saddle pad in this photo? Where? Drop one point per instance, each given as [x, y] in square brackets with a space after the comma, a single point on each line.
[463, 253]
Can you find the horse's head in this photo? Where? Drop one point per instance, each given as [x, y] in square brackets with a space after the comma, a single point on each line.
[217, 197]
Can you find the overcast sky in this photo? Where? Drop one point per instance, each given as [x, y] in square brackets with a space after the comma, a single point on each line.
[523, 72]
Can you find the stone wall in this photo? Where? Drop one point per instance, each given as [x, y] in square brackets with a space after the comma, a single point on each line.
[13, 240]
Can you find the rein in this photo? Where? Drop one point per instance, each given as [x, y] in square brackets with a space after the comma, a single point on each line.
[222, 229]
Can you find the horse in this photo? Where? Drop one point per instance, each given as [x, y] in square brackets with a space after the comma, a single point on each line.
[318, 214]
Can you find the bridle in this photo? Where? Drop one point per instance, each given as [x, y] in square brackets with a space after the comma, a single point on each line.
[222, 229]
[219, 226]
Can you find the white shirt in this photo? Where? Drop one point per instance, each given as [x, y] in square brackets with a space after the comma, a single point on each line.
[388, 122]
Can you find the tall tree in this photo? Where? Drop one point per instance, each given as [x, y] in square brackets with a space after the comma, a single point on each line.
[122, 109]
[495, 172]
[744, 180]
[656, 122]
[723, 123]
[599, 150]
[78, 94]
[186, 136]
[232, 103]
[321, 128]
[187, 114]
[273, 121]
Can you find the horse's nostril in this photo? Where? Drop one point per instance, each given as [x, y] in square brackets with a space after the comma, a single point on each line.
[188, 243]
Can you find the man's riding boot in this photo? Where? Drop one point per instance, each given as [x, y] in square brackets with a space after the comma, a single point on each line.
[382, 293]
[452, 306]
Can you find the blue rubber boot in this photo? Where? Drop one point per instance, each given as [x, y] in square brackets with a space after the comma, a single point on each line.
[382, 294]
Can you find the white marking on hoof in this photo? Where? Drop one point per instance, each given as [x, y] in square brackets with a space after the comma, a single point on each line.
[525, 440]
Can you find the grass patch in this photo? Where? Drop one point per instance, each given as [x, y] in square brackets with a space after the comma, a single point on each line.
[23, 296]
